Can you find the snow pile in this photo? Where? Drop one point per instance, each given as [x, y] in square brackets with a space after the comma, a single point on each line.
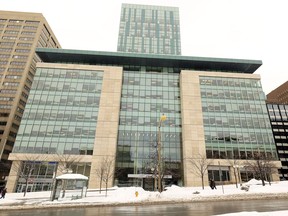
[133, 195]
[255, 182]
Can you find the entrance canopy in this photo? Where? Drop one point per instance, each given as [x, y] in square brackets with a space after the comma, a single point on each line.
[72, 176]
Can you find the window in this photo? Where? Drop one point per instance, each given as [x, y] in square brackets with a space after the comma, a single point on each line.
[14, 26]
[26, 38]
[32, 22]
[20, 56]
[15, 21]
[9, 44]
[10, 84]
[9, 37]
[22, 50]
[30, 27]
[13, 77]
[28, 33]
[17, 63]
[17, 70]
[24, 44]
[11, 32]
[5, 49]
[4, 56]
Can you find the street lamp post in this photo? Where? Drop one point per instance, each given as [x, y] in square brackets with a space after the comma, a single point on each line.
[162, 119]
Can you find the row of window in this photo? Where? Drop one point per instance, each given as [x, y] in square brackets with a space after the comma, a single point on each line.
[17, 32]
[231, 94]
[58, 131]
[6, 44]
[60, 147]
[233, 108]
[63, 100]
[233, 121]
[20, 21]
[8, 91]
[150, 82]
[72, 74]
[3, 56]
[10, 84]
[7, 98]
[150, 107]
[238, 137]
[236, 153]
[148, 121]
[60, 115]
[214, 81]
[67, 86]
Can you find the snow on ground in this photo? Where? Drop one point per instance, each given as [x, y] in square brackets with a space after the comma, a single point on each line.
[127, 195]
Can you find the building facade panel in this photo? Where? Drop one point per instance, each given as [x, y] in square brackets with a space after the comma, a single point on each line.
[62, 114]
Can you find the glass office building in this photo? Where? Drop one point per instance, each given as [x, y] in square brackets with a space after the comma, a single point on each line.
[97, 104]
[149, 29]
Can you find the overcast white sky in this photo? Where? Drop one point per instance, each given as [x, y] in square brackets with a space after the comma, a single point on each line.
[243, 29]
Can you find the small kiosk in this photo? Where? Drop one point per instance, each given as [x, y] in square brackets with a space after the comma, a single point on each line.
[70, 186]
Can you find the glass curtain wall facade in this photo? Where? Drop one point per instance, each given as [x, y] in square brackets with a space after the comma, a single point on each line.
[89, 109]
[279, 122]
[145, 97]
[235, 119]
[61, 118]
[149, 29]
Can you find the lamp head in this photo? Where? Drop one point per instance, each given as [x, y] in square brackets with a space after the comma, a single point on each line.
[163, 118]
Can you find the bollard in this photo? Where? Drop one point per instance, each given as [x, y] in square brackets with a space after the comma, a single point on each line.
[136, 193]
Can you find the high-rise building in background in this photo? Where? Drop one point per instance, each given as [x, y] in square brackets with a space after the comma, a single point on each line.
[279, 122]
[149, 29]
[20, 34]
[277, 105]
[279, 95]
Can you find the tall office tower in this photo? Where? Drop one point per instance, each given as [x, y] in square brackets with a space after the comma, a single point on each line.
[149, 29]
[279, 122]
[279, 95]
[20, 34]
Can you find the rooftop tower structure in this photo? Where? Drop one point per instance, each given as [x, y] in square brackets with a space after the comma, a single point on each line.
[149, 29]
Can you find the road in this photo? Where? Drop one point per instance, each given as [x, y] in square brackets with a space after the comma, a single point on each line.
[184, 209]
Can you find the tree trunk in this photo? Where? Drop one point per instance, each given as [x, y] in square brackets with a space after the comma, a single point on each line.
[100, 185]
[202, 178]
[235, 176]
[26, 187]
[106, 188]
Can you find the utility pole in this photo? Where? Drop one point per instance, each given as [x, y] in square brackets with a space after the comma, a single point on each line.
[162, 119]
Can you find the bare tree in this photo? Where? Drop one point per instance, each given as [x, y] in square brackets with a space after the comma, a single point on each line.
[262, 165]
[106, 169]
[66, 161]
[65, 164]
[200, 166]
[25, 168]
[100, 173]
[234, 163]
